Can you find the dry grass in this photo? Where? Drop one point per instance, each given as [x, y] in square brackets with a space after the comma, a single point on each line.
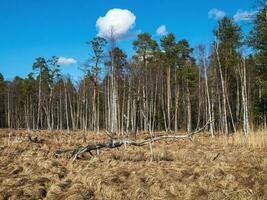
[223, 167]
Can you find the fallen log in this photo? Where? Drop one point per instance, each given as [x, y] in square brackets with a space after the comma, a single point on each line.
[117, 142]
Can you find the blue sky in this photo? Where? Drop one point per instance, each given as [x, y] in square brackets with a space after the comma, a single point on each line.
[31, 28]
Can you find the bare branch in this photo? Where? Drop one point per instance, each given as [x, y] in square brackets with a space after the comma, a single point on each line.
[116, 142]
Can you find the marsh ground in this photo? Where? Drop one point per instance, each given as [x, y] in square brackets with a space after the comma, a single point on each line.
[207, 168]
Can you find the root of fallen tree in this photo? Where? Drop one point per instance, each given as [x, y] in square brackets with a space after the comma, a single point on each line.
[116, 142]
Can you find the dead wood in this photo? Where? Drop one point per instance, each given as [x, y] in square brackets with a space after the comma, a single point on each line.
[118, 142]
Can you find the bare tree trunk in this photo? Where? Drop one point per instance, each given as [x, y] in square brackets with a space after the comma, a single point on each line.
[244, 98]
[26, 114]
[128, 106]
[212, 110]
[108, 105]
[169, 99]
[163, 107]
[144, 110]
[60, 111]
[221, 117]
[71, 112]
[155, 105]
[46, 111]
[33, 118]
[86, 115]
[176, 102]
[114, 98]
[189, 119]
[39, 99]
[231, 114]
[133, 115]
[97, 114]
[8, 109]
[225, 122]
[58, 115]
[208, 95]
[78, 122]
[238, 99]
[84, 108]
[66, 107]
[122, 108]
[199, 98]
[52, 116]
[94, 103]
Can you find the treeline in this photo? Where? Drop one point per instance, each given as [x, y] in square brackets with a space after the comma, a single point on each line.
[165, 86]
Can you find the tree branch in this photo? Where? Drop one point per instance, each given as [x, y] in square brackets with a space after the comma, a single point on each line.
[116, 142]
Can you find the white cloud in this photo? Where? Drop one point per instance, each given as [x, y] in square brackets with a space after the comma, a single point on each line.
[216, 14]
[116, 22]
[66, 61]
[243, 15]
[161, 30]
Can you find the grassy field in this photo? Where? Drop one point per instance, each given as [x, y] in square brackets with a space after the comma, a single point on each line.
[223, 167]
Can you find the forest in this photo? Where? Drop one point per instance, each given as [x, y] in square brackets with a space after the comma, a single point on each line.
[170, 121]
[166, 86]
